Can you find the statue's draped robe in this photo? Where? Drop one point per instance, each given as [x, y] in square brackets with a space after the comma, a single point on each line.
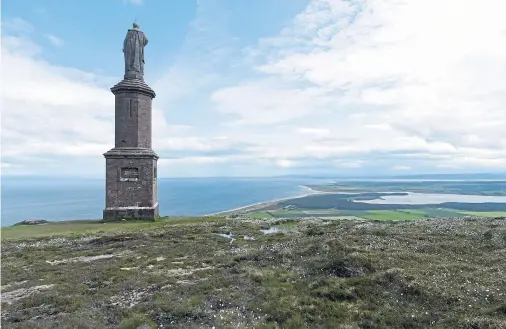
[133, 49]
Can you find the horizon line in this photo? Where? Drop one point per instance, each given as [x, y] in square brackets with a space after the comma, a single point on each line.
[322, 175]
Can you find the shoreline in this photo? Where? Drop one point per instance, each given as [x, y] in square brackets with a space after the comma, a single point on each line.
[264, 204]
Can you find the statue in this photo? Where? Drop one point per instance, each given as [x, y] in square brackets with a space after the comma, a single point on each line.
[133, 49]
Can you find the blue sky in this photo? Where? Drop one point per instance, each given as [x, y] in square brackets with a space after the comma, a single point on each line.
[260, 88]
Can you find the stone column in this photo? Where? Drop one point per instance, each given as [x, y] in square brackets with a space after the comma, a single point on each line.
[131, 166]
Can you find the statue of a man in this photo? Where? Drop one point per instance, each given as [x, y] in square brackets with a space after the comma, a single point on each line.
[133, 49]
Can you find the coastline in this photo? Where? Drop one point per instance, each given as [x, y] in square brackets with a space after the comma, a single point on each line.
[263, 204]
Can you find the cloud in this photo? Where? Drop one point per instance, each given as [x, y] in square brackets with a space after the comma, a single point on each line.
[193, 160]
[401, 168]
[53, 115]
[284, 163]
[55, 41]
[346, 86]
[314, 131]
[276, 104]
[375, 76]
[134, 2]
[16, 24]
[7, 165]
[43, 105]
[189, 78]
[189, 146]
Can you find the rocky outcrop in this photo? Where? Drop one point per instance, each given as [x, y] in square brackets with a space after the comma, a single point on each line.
[33, 222]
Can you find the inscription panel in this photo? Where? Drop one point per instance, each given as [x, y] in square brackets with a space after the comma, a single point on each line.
[129, 174]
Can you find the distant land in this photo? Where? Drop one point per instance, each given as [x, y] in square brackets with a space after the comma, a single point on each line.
[61, 198]
[348, 254]
[387, 199]
[470, 176]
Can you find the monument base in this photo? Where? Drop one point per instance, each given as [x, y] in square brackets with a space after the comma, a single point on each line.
[130, 213]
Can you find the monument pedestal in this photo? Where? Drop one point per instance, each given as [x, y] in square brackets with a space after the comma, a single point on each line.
[131, 166]
[140, 213]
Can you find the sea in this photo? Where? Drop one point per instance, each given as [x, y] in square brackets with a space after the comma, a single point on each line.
[58, 199]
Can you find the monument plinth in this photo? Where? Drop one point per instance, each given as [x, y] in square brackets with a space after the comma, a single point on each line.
[131, 166]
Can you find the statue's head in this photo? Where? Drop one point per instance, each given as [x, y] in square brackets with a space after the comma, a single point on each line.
[136, 26]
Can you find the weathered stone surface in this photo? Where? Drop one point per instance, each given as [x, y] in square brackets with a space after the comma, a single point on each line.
[124, 190]
[131, 184]
[131, 166]
[135, 85]
[131, 213]
[133, 50]
[132, 118]
[32, 222]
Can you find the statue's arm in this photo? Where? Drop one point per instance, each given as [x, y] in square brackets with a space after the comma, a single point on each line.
[124, 44]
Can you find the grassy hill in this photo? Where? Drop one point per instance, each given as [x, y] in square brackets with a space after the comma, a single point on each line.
[311, 273]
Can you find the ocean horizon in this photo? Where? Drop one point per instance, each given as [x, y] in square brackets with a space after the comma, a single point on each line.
[58, 199]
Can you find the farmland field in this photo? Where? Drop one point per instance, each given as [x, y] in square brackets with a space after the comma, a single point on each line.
[387, 201]
[379, 214]
[485, 213]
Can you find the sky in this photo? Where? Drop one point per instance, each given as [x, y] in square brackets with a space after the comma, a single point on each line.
[260, 88]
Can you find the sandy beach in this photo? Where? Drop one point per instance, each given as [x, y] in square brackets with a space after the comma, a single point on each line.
[263, 204]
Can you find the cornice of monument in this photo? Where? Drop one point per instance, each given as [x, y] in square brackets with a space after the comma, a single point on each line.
[131, 152]
[133, 85]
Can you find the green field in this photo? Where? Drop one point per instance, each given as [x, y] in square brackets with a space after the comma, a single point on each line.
[285, 213]
[320, 211]
[65, 228]
[86, 227]
[399, 214]
[335, 205]
[259, 215]
[389, 215]
[343, 217]
[485, 213]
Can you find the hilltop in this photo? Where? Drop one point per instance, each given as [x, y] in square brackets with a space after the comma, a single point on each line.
[228, 273]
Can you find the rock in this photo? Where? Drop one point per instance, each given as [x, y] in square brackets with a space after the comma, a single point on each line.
[15, 295]
[33, 222]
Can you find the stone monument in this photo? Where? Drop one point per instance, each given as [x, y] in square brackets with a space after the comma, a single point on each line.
[131, 178]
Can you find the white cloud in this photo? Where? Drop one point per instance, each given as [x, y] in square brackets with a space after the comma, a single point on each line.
[55, 41]
[314, 131]
[384, 76]
[193, 160]
[44, 105]
[54, 112]
[349, 164]
[7, 165]
[192, 143]
[266, 103]
[401, 167]
[134, 2]
[284, 163]
[17, 24]
[347, 85]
